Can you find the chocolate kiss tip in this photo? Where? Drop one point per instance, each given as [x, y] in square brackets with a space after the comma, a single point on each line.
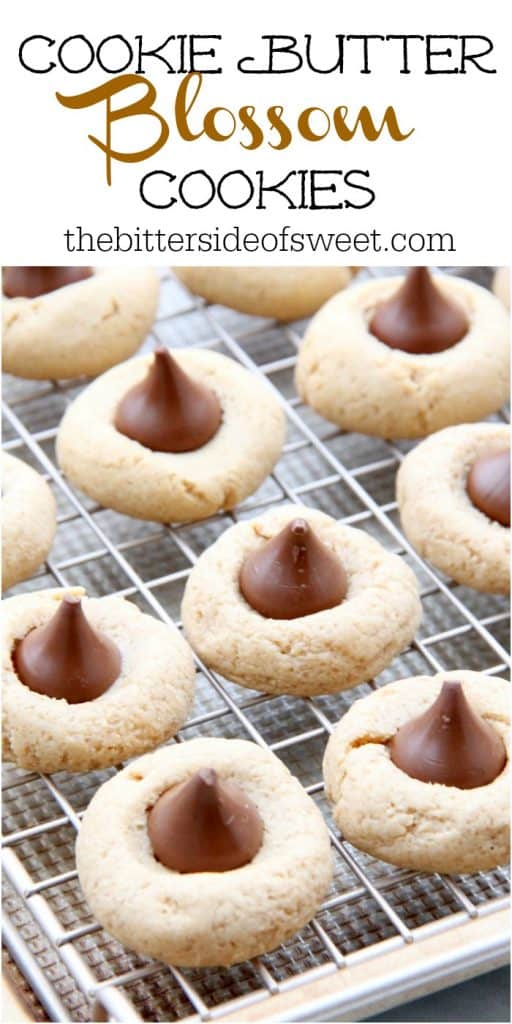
[418, 317]
[31, 282]
[293, 574]
[449, 744]
[168, 411]
[204, 824]
[67, 658]
[488, 486]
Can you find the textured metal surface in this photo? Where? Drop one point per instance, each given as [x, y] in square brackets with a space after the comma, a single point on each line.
[78, 971]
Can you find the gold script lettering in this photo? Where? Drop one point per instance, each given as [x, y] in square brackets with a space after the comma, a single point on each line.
[143, 105]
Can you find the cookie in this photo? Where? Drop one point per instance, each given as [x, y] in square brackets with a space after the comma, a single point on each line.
[437, 513]
[146, 703]
[283, 293]
[125, 475]
[501, 285]
[28, 520]
[213, 917]
[426, 826]
[361, 383]
[79, 329]
[323, 652]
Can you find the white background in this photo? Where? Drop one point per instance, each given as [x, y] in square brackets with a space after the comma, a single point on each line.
[452, 175]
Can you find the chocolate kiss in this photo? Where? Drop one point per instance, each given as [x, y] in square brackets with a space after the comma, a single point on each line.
[168, 411]
[488, 486]
[204, 824]
[67, 658]
[293, 575]
[418, 318]
[30, 282]
[450, 744]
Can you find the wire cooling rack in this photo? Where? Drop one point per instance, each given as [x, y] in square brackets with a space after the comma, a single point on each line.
[383, 934]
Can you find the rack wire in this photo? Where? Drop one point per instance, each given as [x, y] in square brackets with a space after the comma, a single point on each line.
[79, 972]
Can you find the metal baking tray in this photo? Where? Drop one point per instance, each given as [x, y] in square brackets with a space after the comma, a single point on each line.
[384, 934]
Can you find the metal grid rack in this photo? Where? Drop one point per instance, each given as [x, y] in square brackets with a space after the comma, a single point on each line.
[383, 934]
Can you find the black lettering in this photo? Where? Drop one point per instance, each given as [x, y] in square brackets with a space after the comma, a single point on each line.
[194, 53]
[220, 188]
[361, 188]
[122, 67]
[338, 63]
[147, 181]
[273, 49]
[60, 55]
[28, 67]
[199, 175]
[365, 70]
[405, 69]
[316, 188]
[275, 188]
[471, 58]
[154, 53]
[431, 52]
